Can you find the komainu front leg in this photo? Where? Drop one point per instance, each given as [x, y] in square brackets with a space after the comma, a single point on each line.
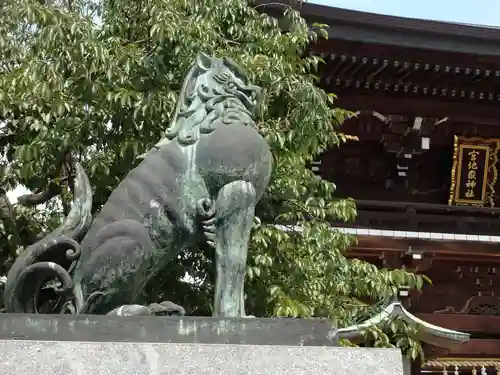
[235, 208]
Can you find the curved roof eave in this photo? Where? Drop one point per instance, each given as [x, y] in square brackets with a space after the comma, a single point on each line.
[428, 333]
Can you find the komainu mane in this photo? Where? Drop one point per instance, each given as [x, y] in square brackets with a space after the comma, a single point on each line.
[199, 184]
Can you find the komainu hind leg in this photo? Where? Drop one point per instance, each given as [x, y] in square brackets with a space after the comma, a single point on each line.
[124, 260]
[235, 207]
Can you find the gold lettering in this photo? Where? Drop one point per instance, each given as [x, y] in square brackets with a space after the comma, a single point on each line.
[472, 169]
[472, 165]
[471, 184]
[473, 155]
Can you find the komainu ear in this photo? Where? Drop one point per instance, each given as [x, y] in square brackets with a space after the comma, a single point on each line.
[204, 61]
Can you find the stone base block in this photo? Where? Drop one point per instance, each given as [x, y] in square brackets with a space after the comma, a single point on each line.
[102, 345]
[86, 358]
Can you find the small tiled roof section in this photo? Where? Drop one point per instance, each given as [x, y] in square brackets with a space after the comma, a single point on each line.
[431, 236]
[428, 333]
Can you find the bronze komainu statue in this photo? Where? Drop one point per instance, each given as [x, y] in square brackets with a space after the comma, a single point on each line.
[199, 184]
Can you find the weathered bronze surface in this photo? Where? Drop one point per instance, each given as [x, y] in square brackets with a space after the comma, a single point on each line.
[198, 184]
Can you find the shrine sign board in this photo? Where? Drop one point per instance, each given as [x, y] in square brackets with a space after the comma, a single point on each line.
[474, 173]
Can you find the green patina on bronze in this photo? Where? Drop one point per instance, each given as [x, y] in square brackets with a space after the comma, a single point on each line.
[198, 184]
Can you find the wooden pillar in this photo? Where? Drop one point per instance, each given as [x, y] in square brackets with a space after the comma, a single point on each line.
[416, 367]
[411, 367]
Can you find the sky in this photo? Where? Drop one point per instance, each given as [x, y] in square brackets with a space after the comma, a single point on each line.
[480, 12]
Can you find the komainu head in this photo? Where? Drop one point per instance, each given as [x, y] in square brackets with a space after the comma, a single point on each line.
[215, 92]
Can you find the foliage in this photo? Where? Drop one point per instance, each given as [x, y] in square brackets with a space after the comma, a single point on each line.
[395, 333]
[99, 81]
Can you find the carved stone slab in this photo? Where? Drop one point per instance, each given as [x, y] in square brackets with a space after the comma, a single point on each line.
[90, 358]
[203, 330]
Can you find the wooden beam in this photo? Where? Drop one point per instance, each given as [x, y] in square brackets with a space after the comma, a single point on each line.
[477, 113]
[426, 207]
[391, 52]
[477, 347]
[473, 324]
[440, 249]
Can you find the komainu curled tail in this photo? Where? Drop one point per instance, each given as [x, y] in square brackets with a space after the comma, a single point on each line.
[48, 261]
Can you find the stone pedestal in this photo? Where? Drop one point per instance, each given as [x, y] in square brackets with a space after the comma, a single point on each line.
[77, 345]
[157, 329]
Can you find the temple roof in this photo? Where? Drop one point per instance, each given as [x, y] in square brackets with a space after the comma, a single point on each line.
[357, 26]
[428, 333]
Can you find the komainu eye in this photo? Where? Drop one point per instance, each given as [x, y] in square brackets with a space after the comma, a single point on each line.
[232, 86]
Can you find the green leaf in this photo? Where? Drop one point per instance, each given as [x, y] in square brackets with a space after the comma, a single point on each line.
[426, 278]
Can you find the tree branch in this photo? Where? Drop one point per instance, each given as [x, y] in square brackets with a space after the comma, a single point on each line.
[39, 198]
[63, 178]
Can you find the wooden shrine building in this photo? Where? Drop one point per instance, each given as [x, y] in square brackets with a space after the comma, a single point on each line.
[424, 172]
